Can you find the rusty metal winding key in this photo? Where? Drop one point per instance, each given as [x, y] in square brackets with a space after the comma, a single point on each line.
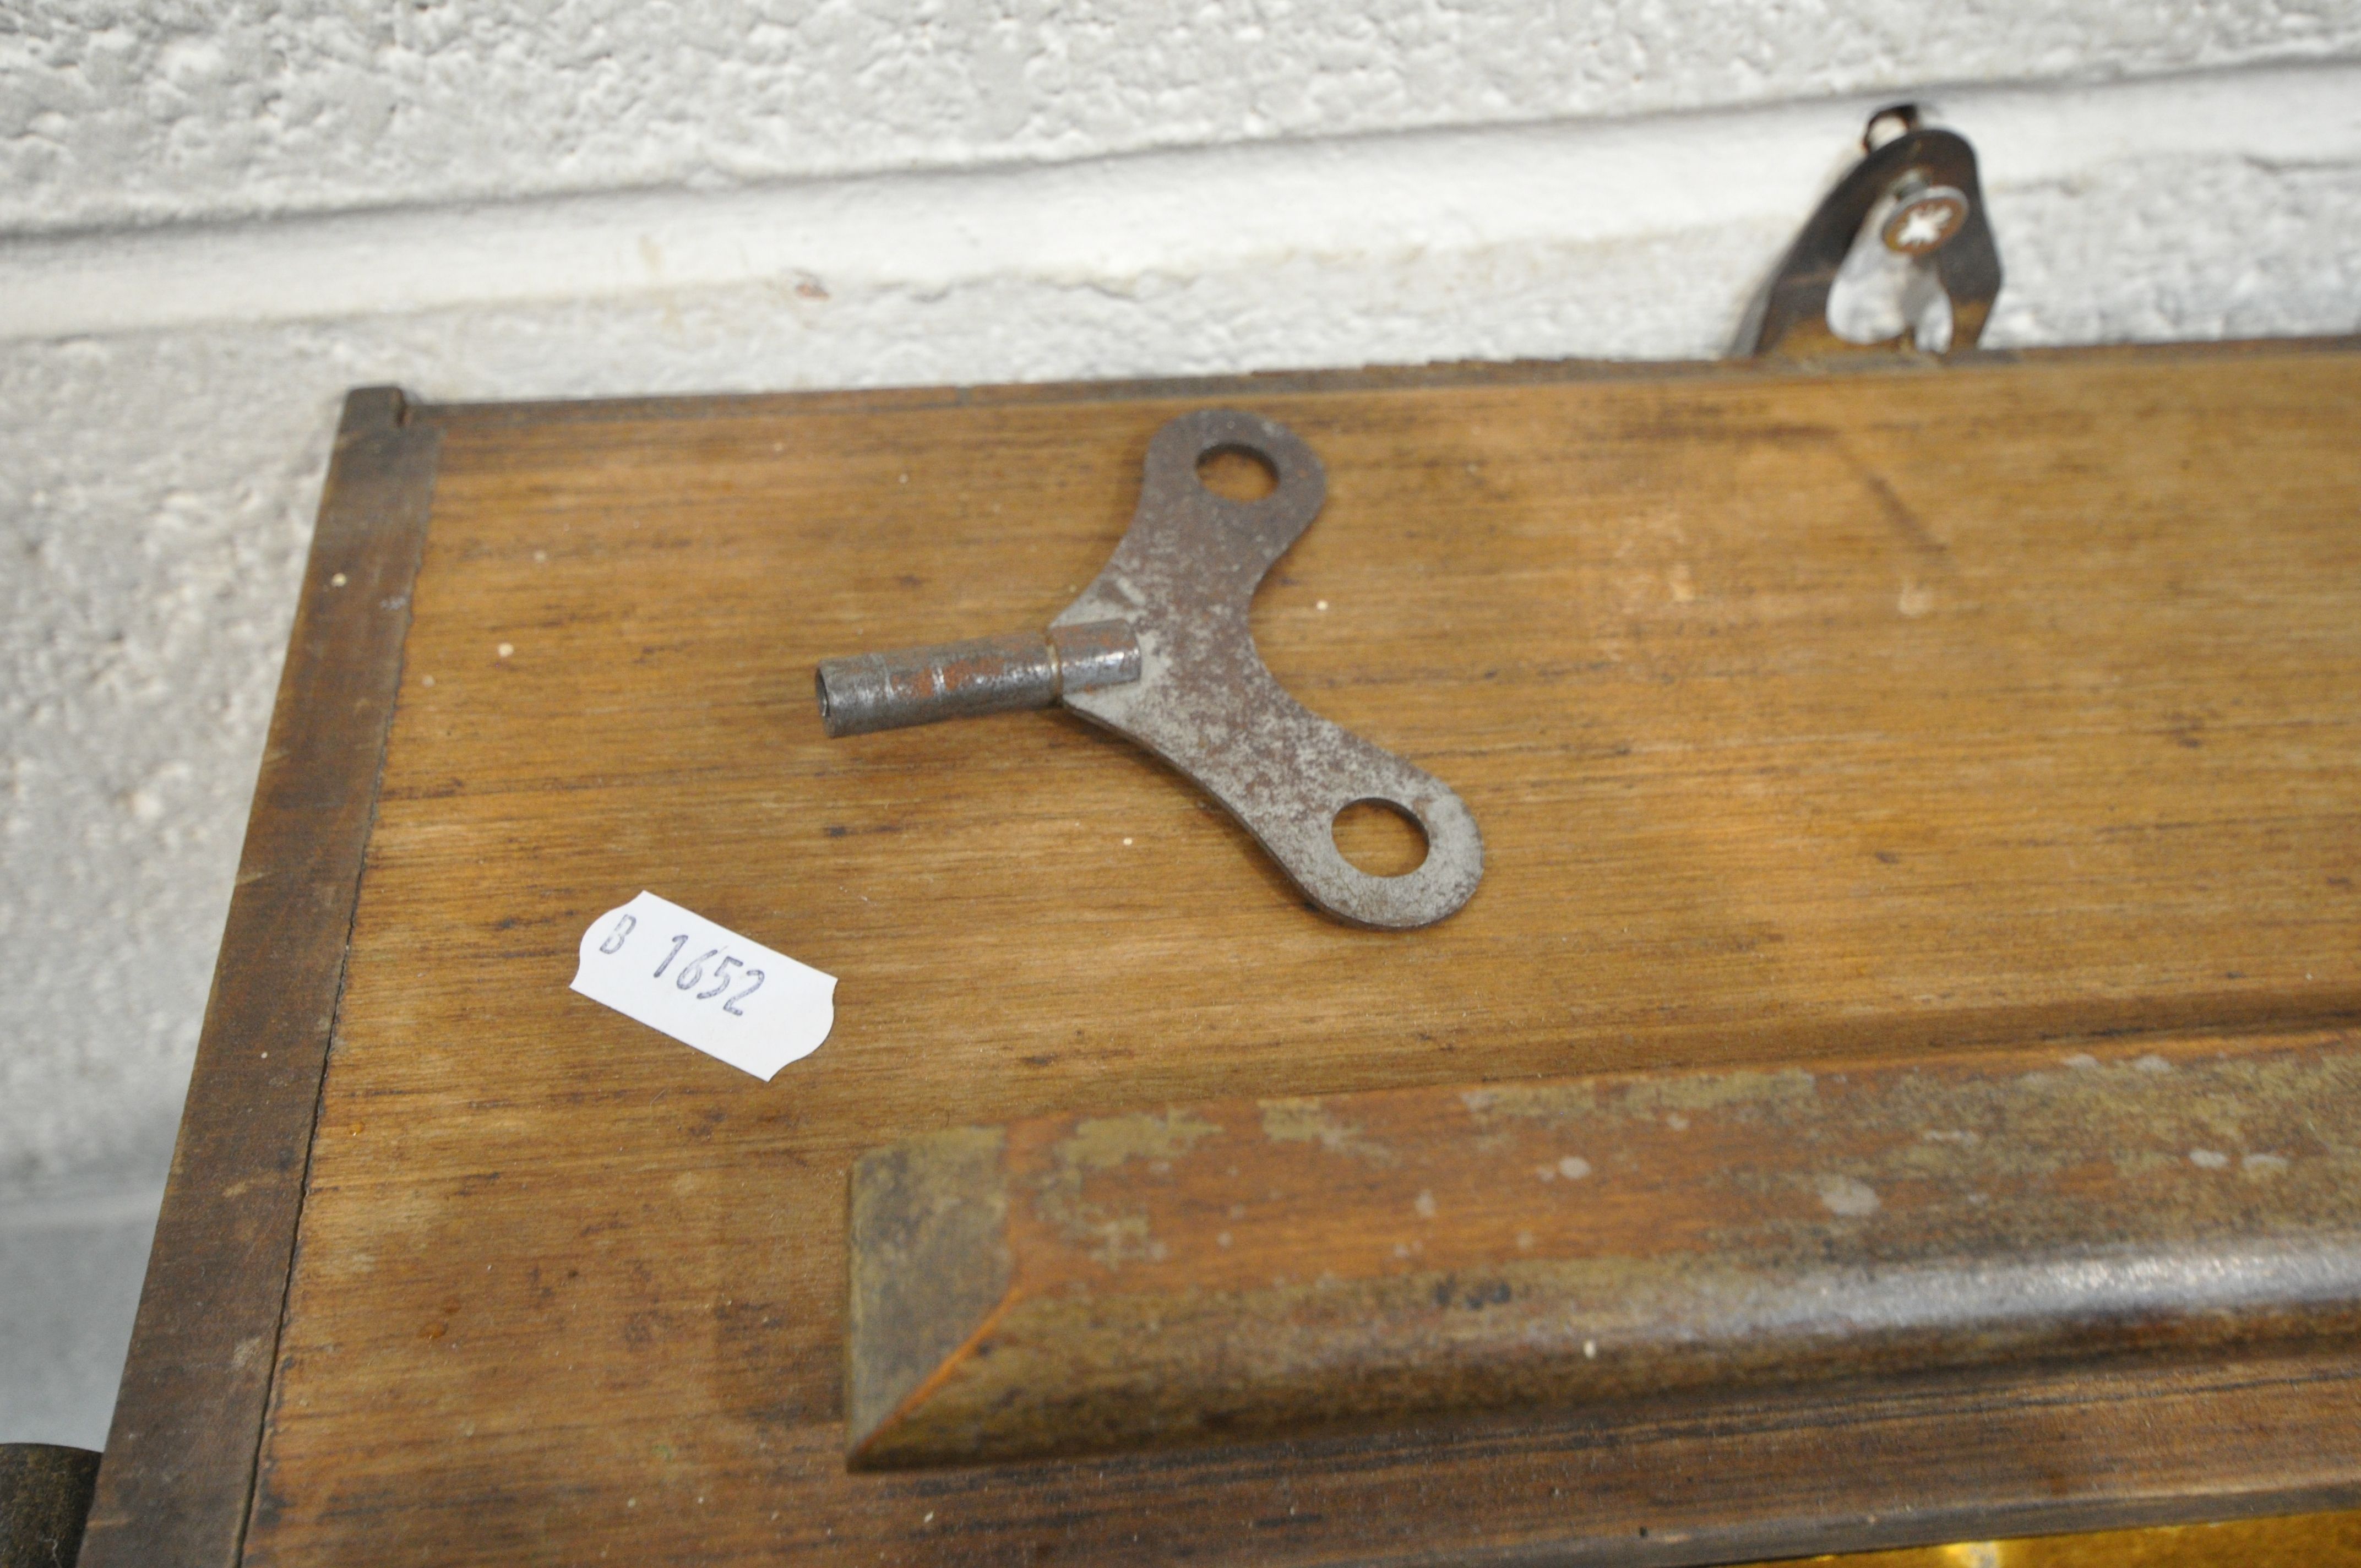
[1158, 650]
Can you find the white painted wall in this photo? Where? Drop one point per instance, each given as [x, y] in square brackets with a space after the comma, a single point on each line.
[214, 219]
[140, 110]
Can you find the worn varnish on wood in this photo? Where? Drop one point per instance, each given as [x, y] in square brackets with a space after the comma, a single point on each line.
[1915, 714]
[1250, 1268]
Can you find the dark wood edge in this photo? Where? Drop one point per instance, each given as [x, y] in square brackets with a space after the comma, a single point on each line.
[44, 1501]
[178, 1475]
[1289, 383]
[1807, 1471]
[1908, 1480]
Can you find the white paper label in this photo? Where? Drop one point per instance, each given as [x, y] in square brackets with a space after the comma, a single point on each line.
[704, 985]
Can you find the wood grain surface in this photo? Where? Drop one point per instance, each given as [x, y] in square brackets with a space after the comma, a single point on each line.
[1904, 713]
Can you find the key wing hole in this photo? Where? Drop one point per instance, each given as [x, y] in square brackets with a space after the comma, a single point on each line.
[1237, 473]
[1380, 838]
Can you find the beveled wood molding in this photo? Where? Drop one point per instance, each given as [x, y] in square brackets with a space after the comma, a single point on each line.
[1283, 1268]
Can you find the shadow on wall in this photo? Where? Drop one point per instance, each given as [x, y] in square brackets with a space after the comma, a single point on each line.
[70, 1276]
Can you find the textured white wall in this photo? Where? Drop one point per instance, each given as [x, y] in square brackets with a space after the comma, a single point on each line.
[119, 110]
[213, 220]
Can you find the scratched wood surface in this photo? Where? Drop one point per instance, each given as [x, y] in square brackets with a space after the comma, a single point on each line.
[1282, 1267]
[1891, 713]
